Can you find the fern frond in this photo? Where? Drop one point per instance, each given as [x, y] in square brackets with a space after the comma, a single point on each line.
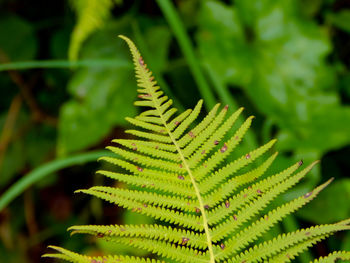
[174, 188]
[271, 247]
[158, 232]
[166, 215]
[229, 187]
[260, 226]
[182, 176]
[180, 203]
[293, 251]
[76, 258]
[333, 257]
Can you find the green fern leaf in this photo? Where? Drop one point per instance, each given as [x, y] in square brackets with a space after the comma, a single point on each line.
[213, 212]
[333, 257]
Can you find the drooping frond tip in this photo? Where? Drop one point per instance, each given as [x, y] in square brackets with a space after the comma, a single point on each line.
[145, 80]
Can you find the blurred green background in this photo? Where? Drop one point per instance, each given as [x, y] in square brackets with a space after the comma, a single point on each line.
[67, 84]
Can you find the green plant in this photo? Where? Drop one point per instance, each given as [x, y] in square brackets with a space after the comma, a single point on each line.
[211, 210]
[91, 15]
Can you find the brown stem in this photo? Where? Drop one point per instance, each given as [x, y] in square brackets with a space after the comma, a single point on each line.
[37, 114]
[29, 213]
[7, 131]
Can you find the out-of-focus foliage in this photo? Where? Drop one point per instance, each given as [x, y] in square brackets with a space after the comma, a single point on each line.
[278, 58]
[91, 15]
[287, 62]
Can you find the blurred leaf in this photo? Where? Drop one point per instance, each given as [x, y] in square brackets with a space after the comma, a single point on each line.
[345, 245]
[331, 205]
[91, 15]
[340, 19]
[13, 160]
[104, 104]
[102, 98]
[59, 43]
[13, 163]
[222, 44]
[17, 38]
[344, 86]
[29, 150]
[310, 8]
[12, 255]
[39, 144]
[158, 38]
[278, 59]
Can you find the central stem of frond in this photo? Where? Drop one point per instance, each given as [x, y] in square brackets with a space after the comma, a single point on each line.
[195, 186]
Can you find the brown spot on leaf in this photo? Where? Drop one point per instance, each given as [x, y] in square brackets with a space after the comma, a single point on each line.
[198, 210]
[145, 205]
[227, 204]
[181, 177]
[235, 217]
[216, 142]
[300, 163]
[139, 168]
[222, 246]
[100, 235]
[203, 152]
[184, 240]
[259, 191]
[247, 156]
[176, 123]
[307, 194]
[307, 234]
[206, 207]
[223, 148]
[141, 62]
[191, 134]
[226, 107]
